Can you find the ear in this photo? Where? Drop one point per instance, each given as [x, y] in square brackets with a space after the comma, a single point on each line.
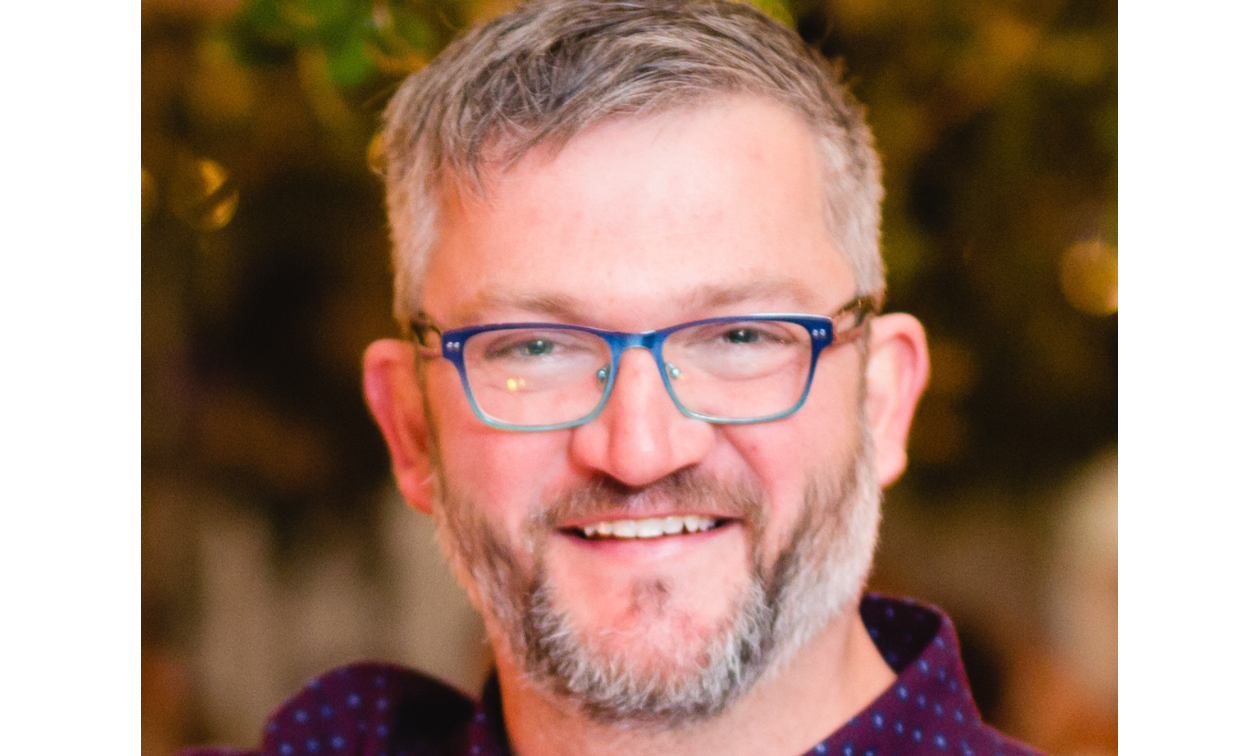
[393, 394]
[896, 373]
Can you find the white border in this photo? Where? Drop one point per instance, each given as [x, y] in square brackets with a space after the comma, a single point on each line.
[1189, 376]
[70, 332]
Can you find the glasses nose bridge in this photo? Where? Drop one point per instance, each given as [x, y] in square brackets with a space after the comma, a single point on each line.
[620, 342]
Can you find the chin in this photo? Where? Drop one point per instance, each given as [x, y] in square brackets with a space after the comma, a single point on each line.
[664, 667]
[653, 628]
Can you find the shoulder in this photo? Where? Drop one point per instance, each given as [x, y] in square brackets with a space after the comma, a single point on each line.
[364, 708]
[929, 707]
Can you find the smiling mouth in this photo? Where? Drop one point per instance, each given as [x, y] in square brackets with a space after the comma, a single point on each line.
[652, 527]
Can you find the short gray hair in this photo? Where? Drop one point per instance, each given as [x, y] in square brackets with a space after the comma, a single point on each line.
[550, 68]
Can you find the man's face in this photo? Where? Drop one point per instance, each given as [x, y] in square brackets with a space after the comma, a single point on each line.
[638, 224]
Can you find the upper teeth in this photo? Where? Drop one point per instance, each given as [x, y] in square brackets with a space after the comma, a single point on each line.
[653, 527]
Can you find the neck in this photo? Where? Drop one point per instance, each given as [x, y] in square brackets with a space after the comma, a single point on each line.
[830, 680]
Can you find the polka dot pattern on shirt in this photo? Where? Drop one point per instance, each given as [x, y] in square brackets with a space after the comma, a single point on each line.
[381, 710]
[928, 709]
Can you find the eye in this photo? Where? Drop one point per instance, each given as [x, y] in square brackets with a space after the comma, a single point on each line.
[536, 347]
[743, 336]
[520, 346]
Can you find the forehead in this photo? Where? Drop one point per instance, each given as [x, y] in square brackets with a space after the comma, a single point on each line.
[640, 222]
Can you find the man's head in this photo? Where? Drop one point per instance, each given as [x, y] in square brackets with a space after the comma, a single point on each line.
[630, 168]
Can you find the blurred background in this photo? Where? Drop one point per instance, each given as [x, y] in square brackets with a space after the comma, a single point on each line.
[274, 542]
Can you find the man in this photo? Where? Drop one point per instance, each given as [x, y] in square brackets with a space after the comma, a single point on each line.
[649, 399]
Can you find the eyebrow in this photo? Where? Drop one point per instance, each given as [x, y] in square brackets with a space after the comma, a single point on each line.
[716, 295]
[569, 309]
[561, 307]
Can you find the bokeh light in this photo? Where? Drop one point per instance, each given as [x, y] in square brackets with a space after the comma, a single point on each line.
[202, 194]
[1089, 273]
[148, 195]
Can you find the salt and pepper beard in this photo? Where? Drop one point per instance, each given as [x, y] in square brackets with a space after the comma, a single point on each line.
[818, 575]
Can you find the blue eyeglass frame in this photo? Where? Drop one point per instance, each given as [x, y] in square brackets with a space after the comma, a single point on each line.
[821, 329]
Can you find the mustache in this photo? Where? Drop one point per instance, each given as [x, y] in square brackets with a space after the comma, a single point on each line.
[689, 489]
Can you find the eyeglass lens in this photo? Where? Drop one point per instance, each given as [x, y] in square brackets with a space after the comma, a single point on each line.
[732, 370]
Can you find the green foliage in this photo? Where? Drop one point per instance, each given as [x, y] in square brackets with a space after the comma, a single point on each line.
[778, 10]
[358, 40]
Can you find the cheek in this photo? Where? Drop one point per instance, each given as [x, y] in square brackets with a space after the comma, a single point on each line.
[507, 473]
[831, 419]
[784, 456]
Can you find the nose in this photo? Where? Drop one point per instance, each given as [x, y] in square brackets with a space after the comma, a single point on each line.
[640, 436]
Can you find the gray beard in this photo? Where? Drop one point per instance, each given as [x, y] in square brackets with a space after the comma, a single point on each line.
[818, 575]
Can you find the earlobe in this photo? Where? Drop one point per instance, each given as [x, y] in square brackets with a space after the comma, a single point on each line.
[896, 374]
[395, 399]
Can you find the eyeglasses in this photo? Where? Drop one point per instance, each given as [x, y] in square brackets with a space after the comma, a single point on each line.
[730, 370]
